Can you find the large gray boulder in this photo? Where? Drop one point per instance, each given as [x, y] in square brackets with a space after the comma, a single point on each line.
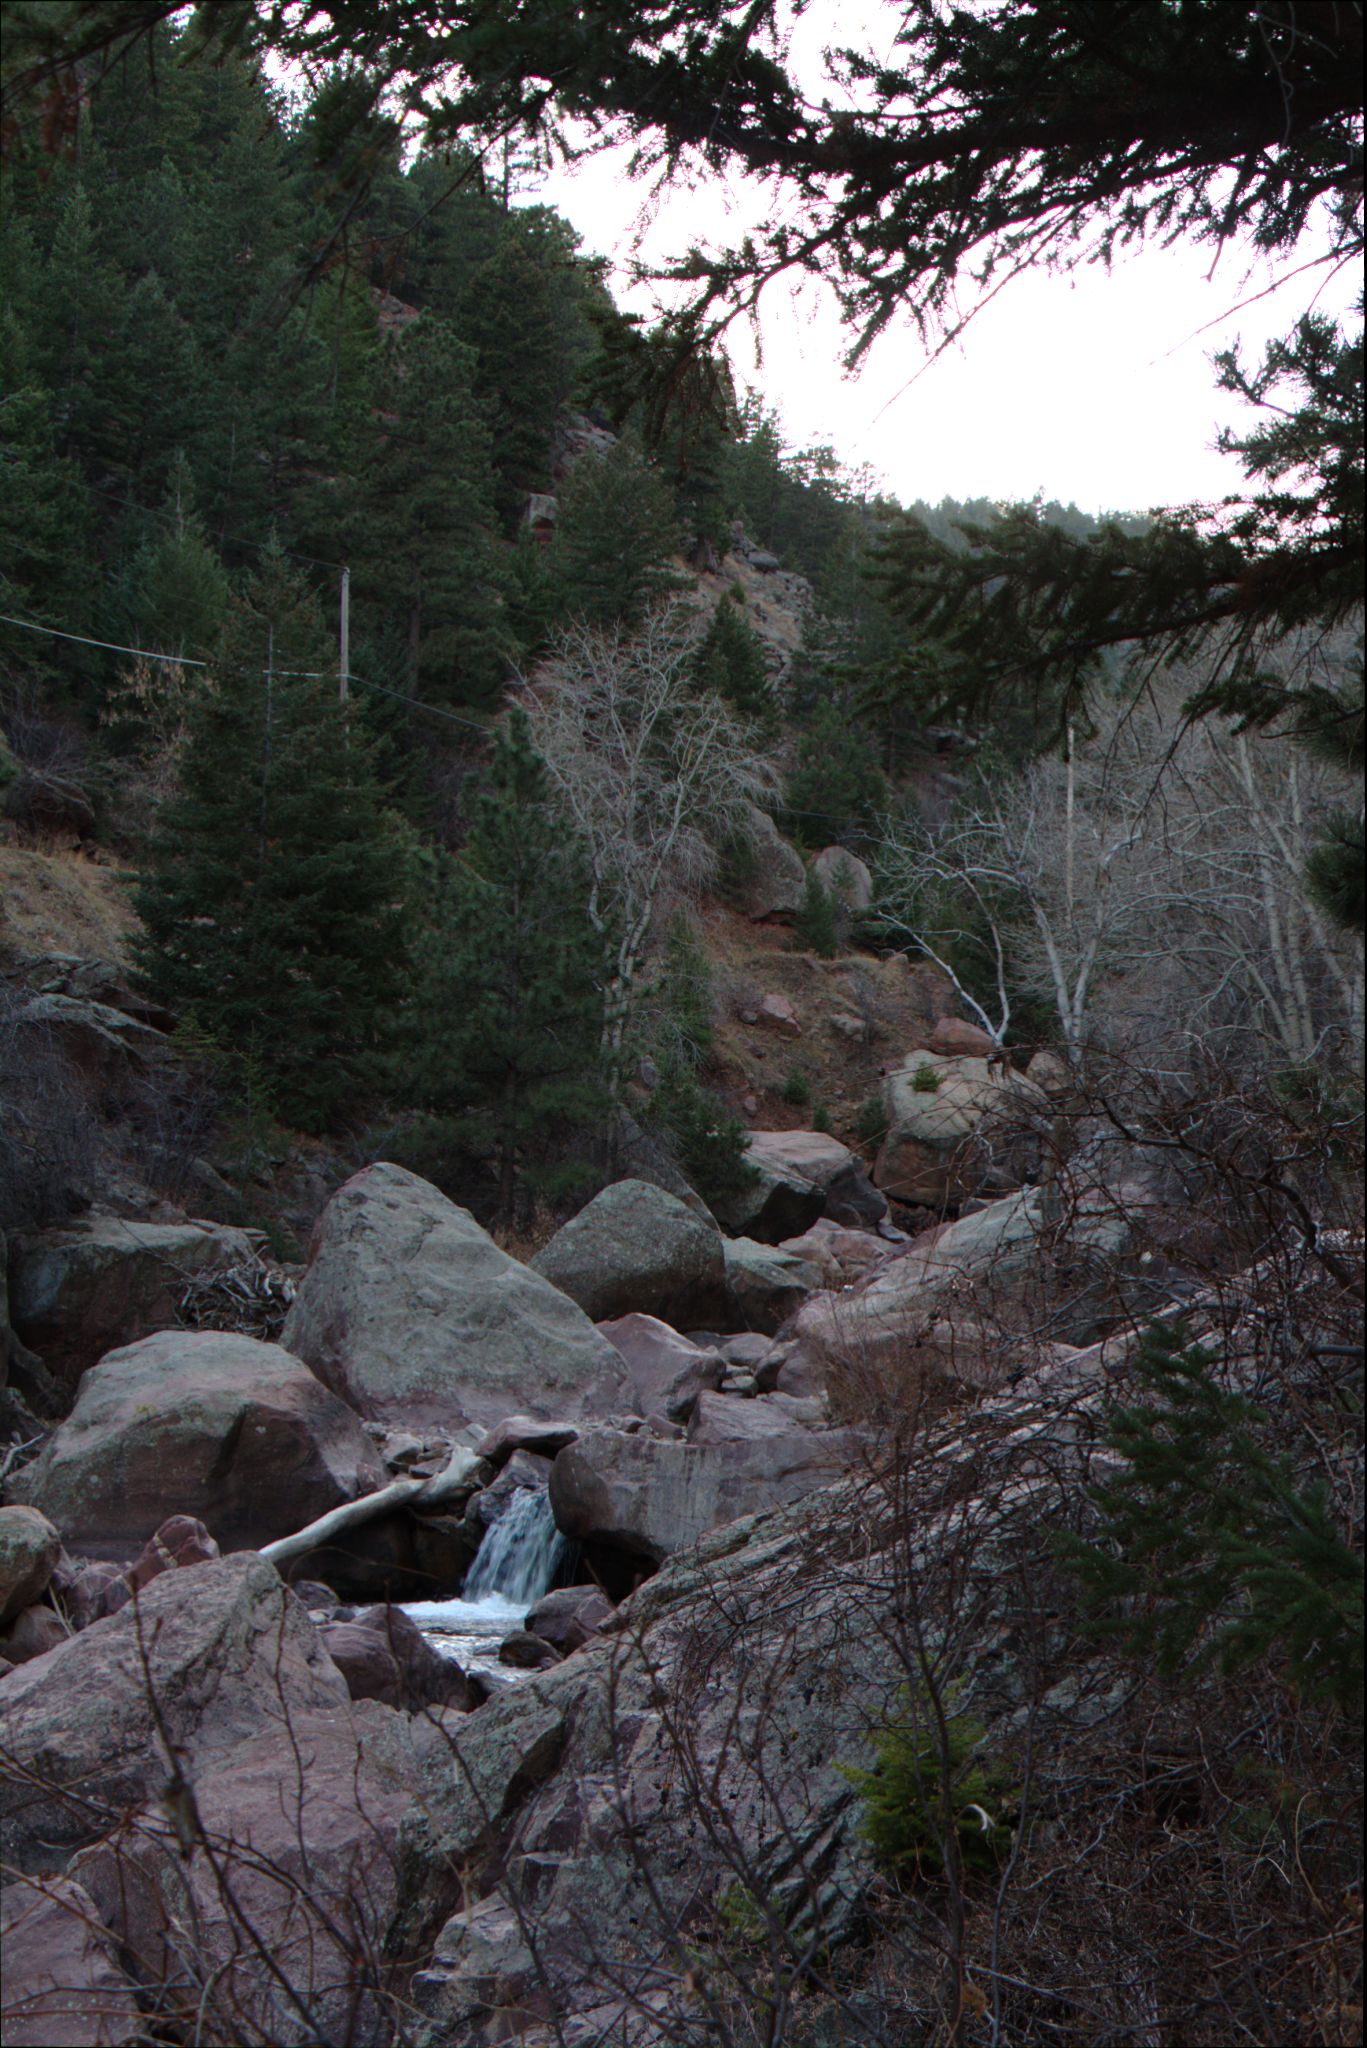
[227, 1429]
[765, 1284]
[224, 1652]
[411, 1313]
[29, 1549]
[636, 1248]
[649, 1498]
[77, 1291]
[846, 877]
[775, 877]
[799, 1176]
[957, 1126]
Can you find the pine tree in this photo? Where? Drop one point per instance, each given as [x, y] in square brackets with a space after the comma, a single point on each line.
[730, 662]
[511, 1009]
[424, 521]
[507, 316]
[271, 896]
[708, 1142]
[837, 788]
[176, 586]
[615, 536]
[1210, 1545]
[817, 925]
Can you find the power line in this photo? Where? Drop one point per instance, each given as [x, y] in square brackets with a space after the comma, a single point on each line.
[311, 675]
[84, 640]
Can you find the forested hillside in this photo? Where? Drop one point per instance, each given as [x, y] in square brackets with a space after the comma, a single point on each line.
[680, 1148]
[221, 401]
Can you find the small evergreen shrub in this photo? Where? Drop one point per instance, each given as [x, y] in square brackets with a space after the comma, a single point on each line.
[729, 661]
[740, 1919]
[871, 1124]
[925, 1081]
[817, 924]
[836, 788]
[821, 1118]
[917, 1787]
[706, 1140]
[797, 1089]
[1210, 1548]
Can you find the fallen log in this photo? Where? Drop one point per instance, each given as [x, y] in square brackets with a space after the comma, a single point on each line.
[453, 1477]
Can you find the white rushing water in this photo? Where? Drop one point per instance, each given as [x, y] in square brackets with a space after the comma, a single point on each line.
[516, 1563]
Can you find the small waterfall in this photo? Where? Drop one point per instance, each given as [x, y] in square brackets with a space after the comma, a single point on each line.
[520, 1554]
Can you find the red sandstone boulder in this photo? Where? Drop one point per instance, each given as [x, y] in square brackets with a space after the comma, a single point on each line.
[77, 1291]
[239, 1434]
[224, 1650]
[63, 1987]
[293, 1909]
[668, 1372]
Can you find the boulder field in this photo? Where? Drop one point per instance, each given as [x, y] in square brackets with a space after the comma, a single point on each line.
[350, 1824]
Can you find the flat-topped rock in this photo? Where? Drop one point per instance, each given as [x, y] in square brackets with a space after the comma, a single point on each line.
[524, 1433]
[649, 1499]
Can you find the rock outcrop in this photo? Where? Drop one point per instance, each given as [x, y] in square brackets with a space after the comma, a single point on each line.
[78, 1291]
[411, 1313]
[289, 1880]
[63, 1986]
[645, 1499]
[234, 1432]
[946, 1306]
[800, 1175]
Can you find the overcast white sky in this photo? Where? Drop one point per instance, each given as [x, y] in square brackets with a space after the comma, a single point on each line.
[1093, 388]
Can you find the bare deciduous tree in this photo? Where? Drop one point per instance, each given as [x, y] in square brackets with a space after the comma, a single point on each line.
[652, 773]
[1149, 882]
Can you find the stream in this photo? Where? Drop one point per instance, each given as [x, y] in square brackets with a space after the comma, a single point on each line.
[516, 1563]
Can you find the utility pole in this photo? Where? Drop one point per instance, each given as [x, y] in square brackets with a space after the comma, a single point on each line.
[345, 658]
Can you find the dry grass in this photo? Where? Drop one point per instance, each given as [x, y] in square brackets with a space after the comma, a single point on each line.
[887, 996]
[63, 902]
